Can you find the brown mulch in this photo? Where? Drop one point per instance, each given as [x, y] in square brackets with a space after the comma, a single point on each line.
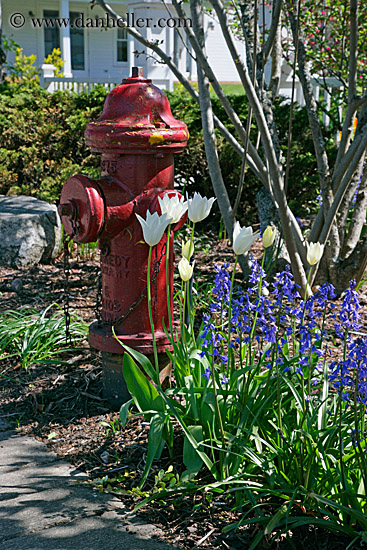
[62, 405]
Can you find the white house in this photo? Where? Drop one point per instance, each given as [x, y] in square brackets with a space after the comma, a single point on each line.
[99, 53]
[96, 50]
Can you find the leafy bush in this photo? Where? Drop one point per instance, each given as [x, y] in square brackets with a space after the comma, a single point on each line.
[55, 59]
[42, 144]
[23, 72]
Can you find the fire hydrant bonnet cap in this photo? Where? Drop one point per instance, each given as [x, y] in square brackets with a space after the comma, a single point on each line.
[136, 116]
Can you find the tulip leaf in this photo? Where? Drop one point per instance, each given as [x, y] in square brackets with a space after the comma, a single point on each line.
[191, 458]
[155, 444]
[124, 412]
[145, 395]
[142, 360]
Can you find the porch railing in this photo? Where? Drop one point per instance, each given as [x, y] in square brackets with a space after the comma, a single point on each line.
[77, 84]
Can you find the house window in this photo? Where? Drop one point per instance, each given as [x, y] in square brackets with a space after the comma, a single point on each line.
[76, 42]
[122, 42]
[52, 34]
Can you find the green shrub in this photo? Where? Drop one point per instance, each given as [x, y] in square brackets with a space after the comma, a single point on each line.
[42, 140]
[23, 72]
[42, 144]
[55, 59]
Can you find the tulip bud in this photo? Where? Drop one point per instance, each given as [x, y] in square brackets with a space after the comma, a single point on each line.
[185, 269]
[243, 237]
[314, 252]
[199, 207]
[174, 207]
[187, 249]
[153, 227]
[269, 236]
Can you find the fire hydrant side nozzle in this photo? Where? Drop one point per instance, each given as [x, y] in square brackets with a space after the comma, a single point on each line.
[136, 136]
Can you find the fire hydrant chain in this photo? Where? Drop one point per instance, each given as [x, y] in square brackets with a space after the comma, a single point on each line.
[66, 257]
[121, 319]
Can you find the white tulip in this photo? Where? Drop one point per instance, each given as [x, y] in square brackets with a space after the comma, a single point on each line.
[185, 269]
[199, 207]
[314, 252]
[269, 236]
[153, 227]
[187, 250]
[243, 239]
[174, 207]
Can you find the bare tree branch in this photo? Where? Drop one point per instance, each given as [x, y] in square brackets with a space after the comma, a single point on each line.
[276, 64]
[347, 210]
[249, 88]
[332, 251]
[358, 218]
[331, 213]
[352, 83]
[217, 87]
[359, 139]
[273, 31]
[290, 227]
[318, 138]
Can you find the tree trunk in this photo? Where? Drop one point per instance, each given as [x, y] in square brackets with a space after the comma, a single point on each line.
[2, 53]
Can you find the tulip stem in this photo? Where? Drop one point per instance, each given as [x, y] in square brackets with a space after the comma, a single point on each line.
[191, 239]
[168, 281]
[149, 295]
[305, 295]
[184, 326]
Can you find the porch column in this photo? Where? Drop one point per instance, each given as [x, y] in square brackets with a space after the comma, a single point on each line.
[65, 39]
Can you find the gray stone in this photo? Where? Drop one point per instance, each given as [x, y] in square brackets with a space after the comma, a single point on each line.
[30, 231]
[16, 284]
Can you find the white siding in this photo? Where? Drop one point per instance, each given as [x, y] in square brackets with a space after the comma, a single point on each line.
[99, 44]
[218, 54]
[26, 36]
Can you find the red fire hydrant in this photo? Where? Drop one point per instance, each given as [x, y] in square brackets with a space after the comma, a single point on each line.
[137, 136]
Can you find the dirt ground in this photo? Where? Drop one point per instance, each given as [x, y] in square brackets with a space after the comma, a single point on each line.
[62, 405]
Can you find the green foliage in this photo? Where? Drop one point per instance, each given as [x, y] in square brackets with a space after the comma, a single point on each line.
[42, 140]
[55, 59]
[326, 30]
[266, 404]
[23, 72]
[42, 145]
[33, 337]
